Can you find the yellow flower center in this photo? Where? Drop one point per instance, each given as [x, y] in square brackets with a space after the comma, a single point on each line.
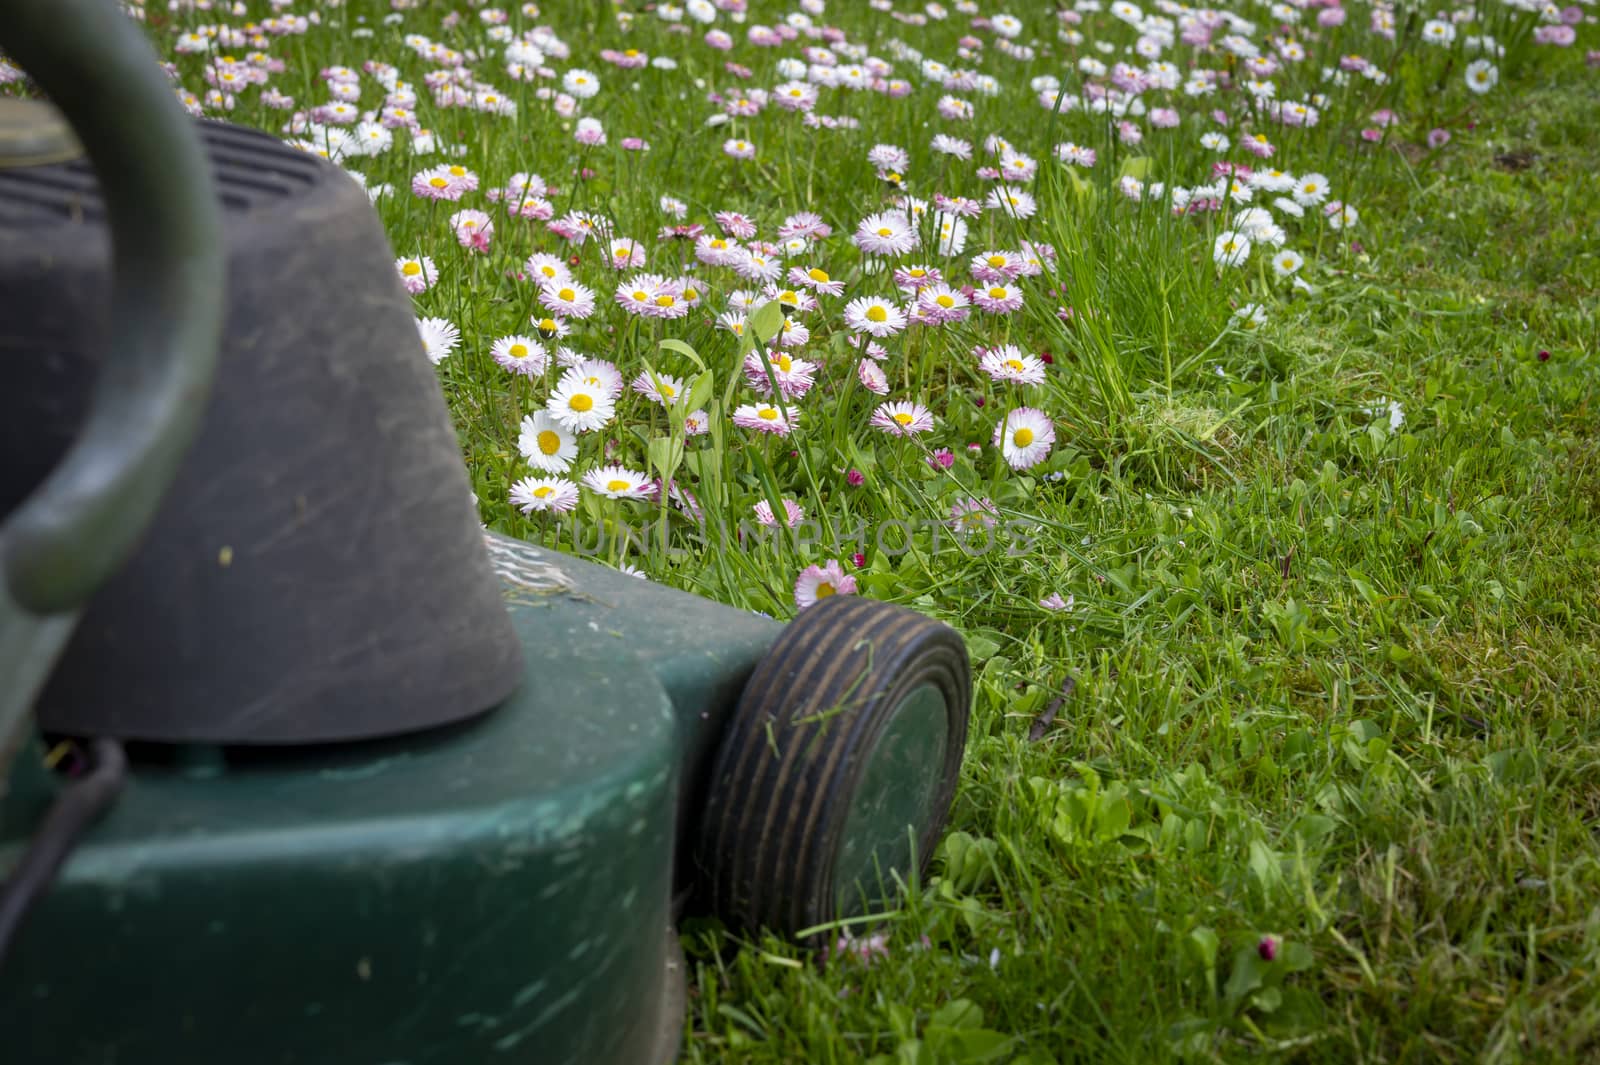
[458, 171]
[903, 418]
[997, 261]
[885, 231]
[784, 363]
[550, 441]
[818, 276]
[438, 182]
[666, 299]
[581, 403]
[1014, 364]
[767, 414]
[616, 485]
[877, 314]
[691, 294]
[518, 351]
[566, 295]
[997, 293]
[788, 297]
[1022, 437]
[944, 301]
[640, 296]
[411, 269]
[631, 53]
[918, 273]
[824, 590]
[667, 390]
[547, 325]
[543, 491]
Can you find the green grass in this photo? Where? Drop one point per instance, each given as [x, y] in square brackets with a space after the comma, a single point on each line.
[1329, 680]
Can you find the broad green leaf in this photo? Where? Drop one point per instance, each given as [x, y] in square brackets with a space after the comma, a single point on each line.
[766, 320]
[684, 349]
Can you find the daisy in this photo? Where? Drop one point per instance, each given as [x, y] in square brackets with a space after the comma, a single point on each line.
[1341, 215]
[436, 183]
[794, 376]
[1013, 201]
[596, 373]
[997, 298]
[765, 418]
[417, 273]
[580, 406]
[817, 280]
[439, 338]
[473, 229]
[1009, 364]
[806, 224]
[520, 355]
[550, 328]
[792, 513]
[1024, 437]
[874, 316]
[1287, 262]
[1482, 76]
[969, 516]
[545, 268]
[885, 234]
[952, 233]
[909, 279]
[548, 445]
[663, 388]
[717, 251]
[821, 582]
[938, 304]
[872, 377]
[555, 494]
[996, 266]
[580, 84]
[790, 301]
[1231, 249]
[902, 419]
[1310, 190]
[567, 299]
[618, 482]
[1251, 316]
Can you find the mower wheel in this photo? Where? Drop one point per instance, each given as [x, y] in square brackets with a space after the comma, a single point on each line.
[837, 771]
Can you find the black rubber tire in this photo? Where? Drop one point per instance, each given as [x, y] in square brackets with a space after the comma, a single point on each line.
[788, 769]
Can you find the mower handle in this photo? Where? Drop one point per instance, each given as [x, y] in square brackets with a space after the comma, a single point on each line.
[86, 519]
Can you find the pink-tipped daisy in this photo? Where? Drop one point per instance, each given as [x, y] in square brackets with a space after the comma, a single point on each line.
[821, 582]
[1009, 364]
[619, 482]
[793, 514]
[764, 418]
[902, 419]
[417, 274]
[520, 355]
[554, 494]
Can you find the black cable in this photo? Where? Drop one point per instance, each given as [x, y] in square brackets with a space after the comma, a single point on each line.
[78, 806]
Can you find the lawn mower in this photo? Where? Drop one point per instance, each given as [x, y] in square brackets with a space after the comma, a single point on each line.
[298, 763]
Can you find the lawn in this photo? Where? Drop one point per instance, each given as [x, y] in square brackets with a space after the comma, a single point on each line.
[1225, 375]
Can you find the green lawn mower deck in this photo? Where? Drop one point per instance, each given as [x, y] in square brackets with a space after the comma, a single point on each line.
[500, 890]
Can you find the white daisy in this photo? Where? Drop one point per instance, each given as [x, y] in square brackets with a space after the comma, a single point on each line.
[546, 443]
[579, 405]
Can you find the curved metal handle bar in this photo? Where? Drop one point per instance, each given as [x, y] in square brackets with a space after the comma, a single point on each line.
[84, 521]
